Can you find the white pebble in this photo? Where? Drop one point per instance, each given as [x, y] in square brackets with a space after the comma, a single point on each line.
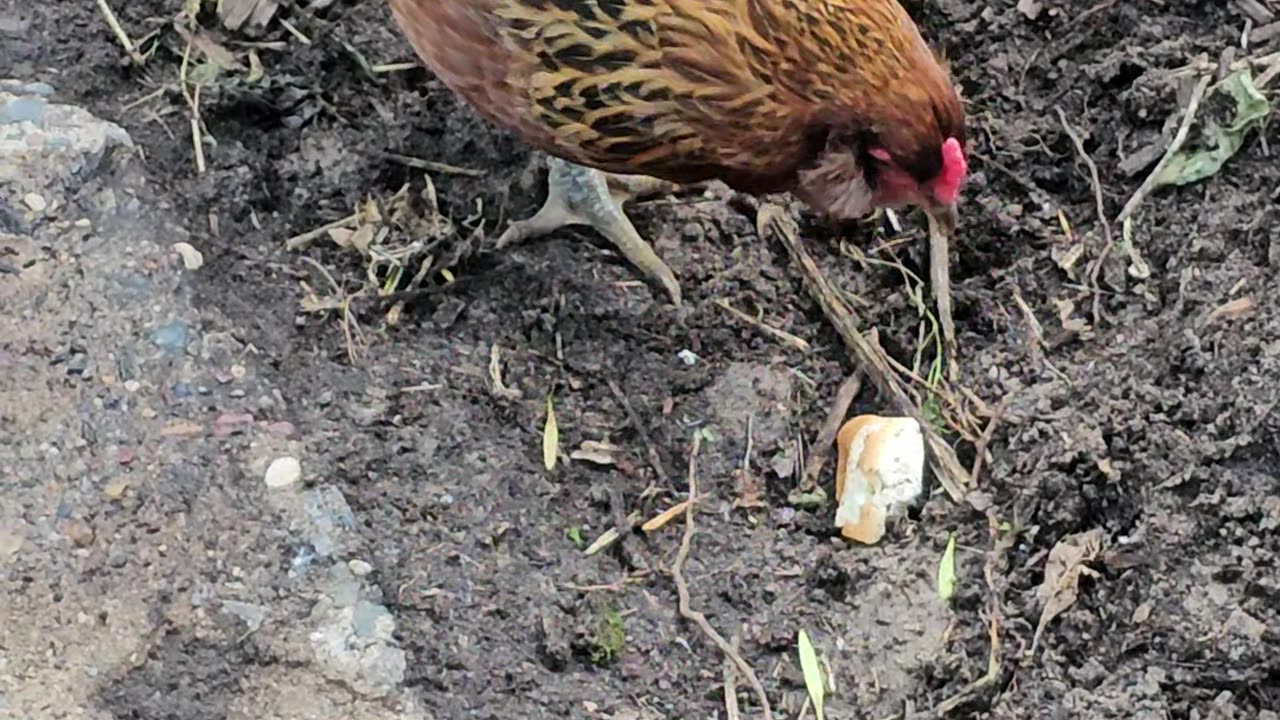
[359, 568]
[283, 472]
[192, 259]
[35, 201]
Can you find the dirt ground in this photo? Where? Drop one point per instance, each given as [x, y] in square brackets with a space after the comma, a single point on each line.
[148, 572]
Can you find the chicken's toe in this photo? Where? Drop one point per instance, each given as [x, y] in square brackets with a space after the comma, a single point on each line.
[578, 195]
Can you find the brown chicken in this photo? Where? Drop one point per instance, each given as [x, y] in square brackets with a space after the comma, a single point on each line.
[840, 102]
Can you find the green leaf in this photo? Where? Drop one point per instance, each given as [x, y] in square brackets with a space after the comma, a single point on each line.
[1187, 167]
[947, 570]
[812, 673]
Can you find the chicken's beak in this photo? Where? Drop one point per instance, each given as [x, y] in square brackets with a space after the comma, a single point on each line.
[946, 216]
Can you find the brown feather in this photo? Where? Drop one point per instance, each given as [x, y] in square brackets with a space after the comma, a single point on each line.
[747, 91]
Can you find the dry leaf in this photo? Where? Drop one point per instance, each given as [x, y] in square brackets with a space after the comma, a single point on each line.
[235, 13]
[748, 489]
[1232, 310]
[496, 385]
[600, 453]
[550, 439]
[1062, 572]
[666, 516]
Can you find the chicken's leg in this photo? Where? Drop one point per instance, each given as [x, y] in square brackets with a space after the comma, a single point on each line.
[579, 195]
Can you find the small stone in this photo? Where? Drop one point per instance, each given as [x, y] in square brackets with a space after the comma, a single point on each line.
[35, 201]
[359, 568]
[132, 386]
[281, 428]
[79, 533]
[283, 472]
[238, 372]
[116, 488]
[126, 456]
[251, 614]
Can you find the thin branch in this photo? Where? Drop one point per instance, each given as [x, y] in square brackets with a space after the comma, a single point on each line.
[682, 589]
[1096, 268]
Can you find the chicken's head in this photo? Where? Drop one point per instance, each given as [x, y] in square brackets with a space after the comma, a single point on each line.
[902, 149]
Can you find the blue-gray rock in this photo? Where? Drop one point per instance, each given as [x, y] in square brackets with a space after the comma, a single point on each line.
[171, 337]
[366, 619]
[23, 109]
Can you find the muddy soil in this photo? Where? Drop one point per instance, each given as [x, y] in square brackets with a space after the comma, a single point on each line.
[1139, 404]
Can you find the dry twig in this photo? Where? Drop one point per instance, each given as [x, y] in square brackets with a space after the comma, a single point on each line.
[121, 35]
[786, 337]
[655, 460]
[1188, 119]
[826, 439]
[1096, 268]
[869, 357]
[1001, 543]
[682, 589]
[985, 440]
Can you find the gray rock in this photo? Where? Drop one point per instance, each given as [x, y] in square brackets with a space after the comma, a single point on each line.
[356, 647]
[46, 145]
[329, 516]
[251, 614]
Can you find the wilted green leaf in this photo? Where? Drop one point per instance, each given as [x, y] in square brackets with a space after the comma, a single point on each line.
[812, 673]
[947, 570]
[1189, 166]
[203, 74]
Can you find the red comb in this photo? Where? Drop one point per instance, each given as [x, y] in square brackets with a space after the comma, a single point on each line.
[954, 168]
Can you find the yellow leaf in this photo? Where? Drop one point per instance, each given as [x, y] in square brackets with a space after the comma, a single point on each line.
[550, 438]
[947, 570]
[812, 673]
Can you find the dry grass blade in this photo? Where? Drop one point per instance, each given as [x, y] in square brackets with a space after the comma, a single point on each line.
[940, 280]
[786, 337]
[430, 165]
[953, 477]
[682, 589]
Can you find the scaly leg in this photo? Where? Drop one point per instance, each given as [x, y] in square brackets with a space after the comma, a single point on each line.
[578, 195]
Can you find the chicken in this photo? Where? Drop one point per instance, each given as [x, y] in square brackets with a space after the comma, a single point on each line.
[840, 102]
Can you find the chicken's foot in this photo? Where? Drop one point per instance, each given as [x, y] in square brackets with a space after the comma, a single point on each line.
[578, 195]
